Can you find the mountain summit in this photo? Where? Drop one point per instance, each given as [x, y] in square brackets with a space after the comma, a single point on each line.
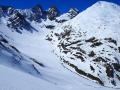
[89, 44]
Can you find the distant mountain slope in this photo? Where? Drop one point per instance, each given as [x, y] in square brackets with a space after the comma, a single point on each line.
[21, 19]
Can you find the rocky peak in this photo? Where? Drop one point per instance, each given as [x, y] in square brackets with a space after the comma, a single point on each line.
[38, 13]
[18, 22]
[37, 9]
[73, 12]
[6, 10]
[10, 10]
[53, 12]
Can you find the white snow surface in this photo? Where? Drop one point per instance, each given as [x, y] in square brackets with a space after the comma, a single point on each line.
[100, 21]
[53, 76]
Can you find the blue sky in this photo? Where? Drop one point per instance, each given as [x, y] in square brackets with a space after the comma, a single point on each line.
[63, 5]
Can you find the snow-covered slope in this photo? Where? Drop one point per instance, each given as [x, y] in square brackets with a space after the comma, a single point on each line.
[89, 44]
[11, 57]
[84, 53]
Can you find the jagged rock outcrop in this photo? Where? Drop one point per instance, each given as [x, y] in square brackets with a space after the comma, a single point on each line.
[52, 13]
[73, 12]
[18, 22]
[38, 13]
[67, 16]
[6, 10]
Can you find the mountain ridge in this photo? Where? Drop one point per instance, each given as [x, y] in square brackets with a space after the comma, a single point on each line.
[97, 30]
[81, 45]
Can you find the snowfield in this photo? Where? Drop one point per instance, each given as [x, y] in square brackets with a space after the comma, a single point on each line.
[71, 52]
